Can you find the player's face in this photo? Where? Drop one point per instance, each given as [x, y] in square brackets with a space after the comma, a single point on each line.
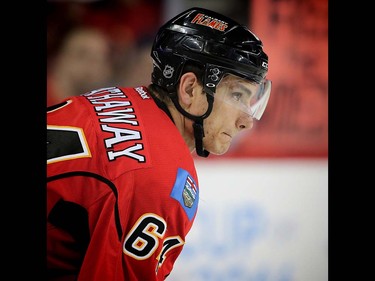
[230, 115]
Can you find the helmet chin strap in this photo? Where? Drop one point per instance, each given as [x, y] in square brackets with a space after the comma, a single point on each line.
[198, 123]
[198, 135]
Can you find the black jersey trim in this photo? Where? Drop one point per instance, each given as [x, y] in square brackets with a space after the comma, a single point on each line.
[162, 106]
[102, 179]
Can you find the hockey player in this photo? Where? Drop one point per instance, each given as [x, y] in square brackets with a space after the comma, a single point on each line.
[122, 189]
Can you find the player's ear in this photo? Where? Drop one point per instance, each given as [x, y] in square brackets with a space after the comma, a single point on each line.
[189, 88]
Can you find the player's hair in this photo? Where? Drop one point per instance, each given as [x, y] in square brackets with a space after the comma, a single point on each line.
[214, 42]
[190, 66]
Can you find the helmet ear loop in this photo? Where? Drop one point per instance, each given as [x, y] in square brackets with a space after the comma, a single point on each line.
[199, 131]
[198, 122]
[195, 118]
[212, 74]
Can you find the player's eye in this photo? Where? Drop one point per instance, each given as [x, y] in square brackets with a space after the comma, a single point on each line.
[237, 96]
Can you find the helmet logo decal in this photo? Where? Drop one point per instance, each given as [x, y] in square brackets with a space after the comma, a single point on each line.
[168, 71]
[214, 23]
[214, 76]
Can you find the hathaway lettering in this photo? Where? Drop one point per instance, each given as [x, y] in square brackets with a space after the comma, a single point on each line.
[113, 108]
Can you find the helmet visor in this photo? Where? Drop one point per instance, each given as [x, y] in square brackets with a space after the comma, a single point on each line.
[249, 97]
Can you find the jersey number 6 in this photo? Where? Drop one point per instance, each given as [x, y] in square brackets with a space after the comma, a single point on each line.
[143, 239]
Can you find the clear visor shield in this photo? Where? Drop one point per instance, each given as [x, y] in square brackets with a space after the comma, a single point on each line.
[249, 97]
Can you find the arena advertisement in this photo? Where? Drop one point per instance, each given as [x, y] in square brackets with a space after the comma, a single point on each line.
[259, 220]
[295, 123]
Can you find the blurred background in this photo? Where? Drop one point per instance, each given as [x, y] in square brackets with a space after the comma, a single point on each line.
[263, 214]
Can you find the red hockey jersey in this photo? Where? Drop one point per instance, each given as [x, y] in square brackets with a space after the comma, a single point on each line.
[122, 189]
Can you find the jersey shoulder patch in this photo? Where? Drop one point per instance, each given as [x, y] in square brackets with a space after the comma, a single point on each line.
[186, 192]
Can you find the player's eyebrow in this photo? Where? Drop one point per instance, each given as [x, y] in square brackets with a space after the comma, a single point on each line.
[244, 89]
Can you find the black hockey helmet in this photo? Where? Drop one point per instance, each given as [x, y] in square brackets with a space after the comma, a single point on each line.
[217, 42]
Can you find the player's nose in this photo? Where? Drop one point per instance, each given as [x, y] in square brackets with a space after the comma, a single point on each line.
[244, 121]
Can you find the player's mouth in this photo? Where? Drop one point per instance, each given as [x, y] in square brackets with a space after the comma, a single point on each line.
[227, 136]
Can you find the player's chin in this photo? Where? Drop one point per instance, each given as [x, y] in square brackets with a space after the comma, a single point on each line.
[219, 148]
